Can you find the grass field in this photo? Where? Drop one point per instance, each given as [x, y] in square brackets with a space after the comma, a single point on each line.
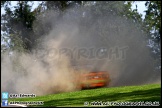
[146, 93]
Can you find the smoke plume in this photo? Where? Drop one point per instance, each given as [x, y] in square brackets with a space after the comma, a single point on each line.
[80, 39]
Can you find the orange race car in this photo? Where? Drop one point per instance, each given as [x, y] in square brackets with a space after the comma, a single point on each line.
[93, 79]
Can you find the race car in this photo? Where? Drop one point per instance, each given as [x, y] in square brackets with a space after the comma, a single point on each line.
[92, 80]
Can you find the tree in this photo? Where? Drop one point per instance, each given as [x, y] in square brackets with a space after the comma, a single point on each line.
[153, 19]
[18, 24]
[153, 25]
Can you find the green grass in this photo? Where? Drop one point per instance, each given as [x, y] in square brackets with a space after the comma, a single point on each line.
[150, 92]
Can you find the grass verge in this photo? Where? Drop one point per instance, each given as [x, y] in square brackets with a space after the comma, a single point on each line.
[145, 93]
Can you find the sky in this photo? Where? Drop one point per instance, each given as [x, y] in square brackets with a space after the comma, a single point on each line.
[141, 7]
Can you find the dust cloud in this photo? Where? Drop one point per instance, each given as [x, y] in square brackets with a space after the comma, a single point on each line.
[94, 43]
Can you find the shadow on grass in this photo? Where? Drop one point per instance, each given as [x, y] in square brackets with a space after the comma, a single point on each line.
[141, 95]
